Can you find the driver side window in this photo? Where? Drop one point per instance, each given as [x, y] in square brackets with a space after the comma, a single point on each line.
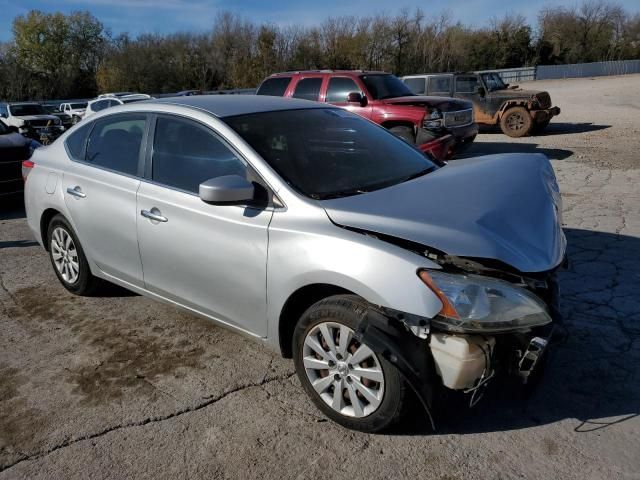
[185, 154]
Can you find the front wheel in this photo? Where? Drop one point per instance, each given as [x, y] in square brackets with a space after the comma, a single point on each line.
[345, 379]
[405, 133]
[75, 119]
[516, 122]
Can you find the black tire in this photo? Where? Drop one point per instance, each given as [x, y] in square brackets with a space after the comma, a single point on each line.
[516, 122]
[75, 119]
[85, 284]
[405, 133]
[349, 310]
[539, 127]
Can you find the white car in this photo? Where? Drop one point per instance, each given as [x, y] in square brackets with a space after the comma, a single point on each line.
[31, 119]
[74, 111]
[111, 100]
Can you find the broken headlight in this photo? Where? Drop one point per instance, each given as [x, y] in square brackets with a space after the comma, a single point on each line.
[472, 303]
[433, 120]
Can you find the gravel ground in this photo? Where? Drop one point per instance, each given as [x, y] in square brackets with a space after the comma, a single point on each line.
[120, 386]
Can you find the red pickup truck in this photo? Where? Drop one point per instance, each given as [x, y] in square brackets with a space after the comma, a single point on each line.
[439, 125]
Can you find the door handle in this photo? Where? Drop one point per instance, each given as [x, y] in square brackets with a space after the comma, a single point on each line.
[153, 214]
[76, 192]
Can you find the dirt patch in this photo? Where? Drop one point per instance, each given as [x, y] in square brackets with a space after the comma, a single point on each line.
[550, 447]
[123, 359]
[19, 423]
[129, 360]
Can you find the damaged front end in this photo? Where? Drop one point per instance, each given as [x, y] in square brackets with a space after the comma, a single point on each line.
[493, 323]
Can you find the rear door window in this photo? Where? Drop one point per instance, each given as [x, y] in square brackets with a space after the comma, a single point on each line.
[416, 85]
[466, 84]
[308, 89]
[115, 143]
[339, 88]
[186, 153]
[440, 85]
[274, 86]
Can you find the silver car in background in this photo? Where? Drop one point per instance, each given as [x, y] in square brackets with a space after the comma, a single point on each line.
[317, 232]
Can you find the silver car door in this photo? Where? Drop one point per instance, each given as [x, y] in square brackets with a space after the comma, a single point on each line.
[100, 193]
[211, 258]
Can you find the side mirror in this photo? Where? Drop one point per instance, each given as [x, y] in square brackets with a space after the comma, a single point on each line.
[481, 91]
[357, 97]
[227, 189]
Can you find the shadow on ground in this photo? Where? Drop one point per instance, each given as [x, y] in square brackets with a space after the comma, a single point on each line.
[490, 148]
[554, 128]
[563, 128]
[12, 208]
[591, 378]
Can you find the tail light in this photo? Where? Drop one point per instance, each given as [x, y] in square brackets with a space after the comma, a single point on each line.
[27, 166]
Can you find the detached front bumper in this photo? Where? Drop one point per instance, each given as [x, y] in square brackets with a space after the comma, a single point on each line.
[440, 148]
[464, 136]
[544, 115]
[461, 137]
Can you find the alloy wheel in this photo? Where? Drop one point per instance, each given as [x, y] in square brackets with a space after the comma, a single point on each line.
[65, 255]
[515, 121]
[345, 373]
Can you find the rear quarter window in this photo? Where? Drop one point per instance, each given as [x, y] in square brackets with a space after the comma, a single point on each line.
[77, 141]
[274, 87]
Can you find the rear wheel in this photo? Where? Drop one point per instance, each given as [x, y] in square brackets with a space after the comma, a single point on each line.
[75, 119]
[405, 133]
[516, 122]
[68, 259]
[345, 379]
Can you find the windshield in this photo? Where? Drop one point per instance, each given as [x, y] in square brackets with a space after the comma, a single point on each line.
[493, 81]
[78, 106]
[329, 153]
[381, 86]
[20, 110]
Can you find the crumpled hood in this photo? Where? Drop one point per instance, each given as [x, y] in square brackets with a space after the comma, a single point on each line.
[445, 104]
[502, 207]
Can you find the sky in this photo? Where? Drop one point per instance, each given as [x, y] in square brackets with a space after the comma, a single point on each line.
[167, 16]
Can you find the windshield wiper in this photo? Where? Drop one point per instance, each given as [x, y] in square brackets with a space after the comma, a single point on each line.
[340, 194]
[420, 173]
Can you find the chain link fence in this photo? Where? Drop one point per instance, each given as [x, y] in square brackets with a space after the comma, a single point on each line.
[575, 70]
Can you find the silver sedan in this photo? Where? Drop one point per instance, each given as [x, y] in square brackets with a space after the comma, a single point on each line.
[380, 272]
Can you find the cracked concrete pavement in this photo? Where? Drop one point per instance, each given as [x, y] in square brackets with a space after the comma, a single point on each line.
[122, 387]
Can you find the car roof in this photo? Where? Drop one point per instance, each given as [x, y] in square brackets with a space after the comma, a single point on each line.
[232, 105]
[328, 72]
